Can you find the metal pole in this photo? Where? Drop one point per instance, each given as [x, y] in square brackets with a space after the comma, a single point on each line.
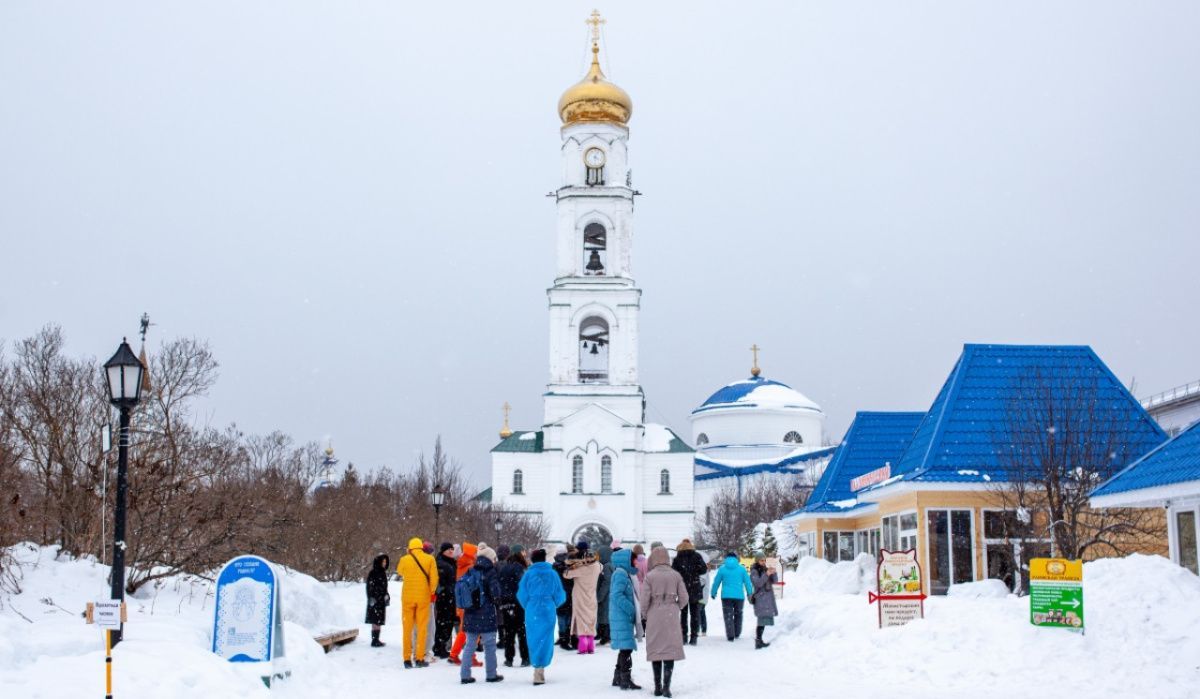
[118, 555]
[108, 644]
[437, 522]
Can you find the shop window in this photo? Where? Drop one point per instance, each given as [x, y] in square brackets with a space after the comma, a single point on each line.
[807, 544]
[1185, 535]
[900, 532]
[606, 474]
[951, 549]
[839, 546]
[577, 474]
[518, 482]
[1009, 544]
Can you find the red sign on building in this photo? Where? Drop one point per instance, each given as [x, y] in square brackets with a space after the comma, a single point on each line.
[879, 475]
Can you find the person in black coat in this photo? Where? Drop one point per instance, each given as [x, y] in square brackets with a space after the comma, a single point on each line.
[691, 566]
[512, 615]
[444, 612]
[481, 622]
[378, 598]
[564, 610]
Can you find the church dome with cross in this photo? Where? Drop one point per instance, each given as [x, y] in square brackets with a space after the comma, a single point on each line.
[756, 419]
[595, 98]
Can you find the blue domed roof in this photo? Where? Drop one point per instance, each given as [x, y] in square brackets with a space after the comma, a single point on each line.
[760, 392]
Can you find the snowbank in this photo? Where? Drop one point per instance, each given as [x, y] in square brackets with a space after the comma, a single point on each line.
[984, 589]
[816, 575]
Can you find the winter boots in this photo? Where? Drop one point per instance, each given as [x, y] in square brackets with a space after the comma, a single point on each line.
[663, 669]
[625, 670]
[668, 670]
[657, 667]
[758, 639]
[375, 642]
[539, 676]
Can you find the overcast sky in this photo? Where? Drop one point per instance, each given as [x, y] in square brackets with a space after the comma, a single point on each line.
[347, 199]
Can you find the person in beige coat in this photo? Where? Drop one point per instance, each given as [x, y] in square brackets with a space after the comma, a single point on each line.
[662, 597]
[584, 569]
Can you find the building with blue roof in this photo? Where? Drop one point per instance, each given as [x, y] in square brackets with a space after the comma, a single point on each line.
[943, 494]
[1168, 477]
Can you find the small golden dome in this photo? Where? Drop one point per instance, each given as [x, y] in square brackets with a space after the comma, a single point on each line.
[594, 98]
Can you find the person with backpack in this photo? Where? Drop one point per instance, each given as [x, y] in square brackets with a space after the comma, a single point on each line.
[733, 583]
[378, 598]
[445, 612]
[420, 575]
[623, 618]
[540, 593]
[691, 567]
[512, 616]
[476, 593]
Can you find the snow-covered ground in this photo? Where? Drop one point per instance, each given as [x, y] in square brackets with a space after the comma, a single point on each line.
[1143, 640]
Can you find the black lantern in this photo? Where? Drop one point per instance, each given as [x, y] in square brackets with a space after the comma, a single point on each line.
[437, 498]
[499, 527]
[124, 374]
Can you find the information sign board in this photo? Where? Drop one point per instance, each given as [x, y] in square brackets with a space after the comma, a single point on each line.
[1056, 593]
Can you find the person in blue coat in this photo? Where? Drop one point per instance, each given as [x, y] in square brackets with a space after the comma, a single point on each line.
[733, 582]
[540, 593]
[623, 622]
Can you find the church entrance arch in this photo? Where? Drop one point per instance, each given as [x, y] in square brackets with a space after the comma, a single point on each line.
[597, 535]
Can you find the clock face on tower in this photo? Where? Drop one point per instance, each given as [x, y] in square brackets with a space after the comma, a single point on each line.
[593, 158]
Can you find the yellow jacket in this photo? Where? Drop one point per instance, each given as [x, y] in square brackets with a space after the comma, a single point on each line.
[419, 572]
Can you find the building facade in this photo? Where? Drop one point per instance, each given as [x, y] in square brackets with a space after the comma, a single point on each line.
[594, 468]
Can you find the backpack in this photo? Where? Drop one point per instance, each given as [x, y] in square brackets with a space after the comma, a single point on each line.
[468, 593]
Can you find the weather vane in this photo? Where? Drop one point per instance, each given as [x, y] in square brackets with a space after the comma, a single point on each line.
[145, 326]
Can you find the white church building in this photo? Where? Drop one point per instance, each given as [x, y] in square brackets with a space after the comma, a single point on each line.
[594, 468]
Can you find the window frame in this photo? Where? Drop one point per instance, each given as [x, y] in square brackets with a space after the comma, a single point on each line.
[1174, 543]
[576, 475]
[901, 534]
[664, 482]
[606, 474]
[1017, 546]
[950, 547]
[702, 439]
[518, 482]
[798, 440]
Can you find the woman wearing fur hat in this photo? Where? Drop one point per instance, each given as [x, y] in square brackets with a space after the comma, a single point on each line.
[584, 571]
[378, 598]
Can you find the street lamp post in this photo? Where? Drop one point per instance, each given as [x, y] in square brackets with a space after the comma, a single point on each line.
[437, 498]
[499, 527]
[124, 376]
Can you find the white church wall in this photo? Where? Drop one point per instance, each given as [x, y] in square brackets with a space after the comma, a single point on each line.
[752, 426]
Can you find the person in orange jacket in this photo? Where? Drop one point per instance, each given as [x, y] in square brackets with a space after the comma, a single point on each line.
[464, 564]
[419, 572]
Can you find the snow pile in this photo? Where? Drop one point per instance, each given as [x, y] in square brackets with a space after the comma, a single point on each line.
[846, 578]
[658, 438]
[310, 603]
[984, 589]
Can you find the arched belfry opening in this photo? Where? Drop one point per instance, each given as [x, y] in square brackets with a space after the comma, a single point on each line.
[593, 350]
[595, 250]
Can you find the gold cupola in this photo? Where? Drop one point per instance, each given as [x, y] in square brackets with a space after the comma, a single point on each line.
[594, 98]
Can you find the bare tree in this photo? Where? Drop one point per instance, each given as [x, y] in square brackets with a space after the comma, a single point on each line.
[1062, 437]
[730, 522]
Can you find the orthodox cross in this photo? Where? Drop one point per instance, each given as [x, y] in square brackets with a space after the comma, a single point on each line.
[595, 21]
[755, 371]
[506, 431]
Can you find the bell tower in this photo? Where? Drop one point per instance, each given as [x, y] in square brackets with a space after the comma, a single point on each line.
[594, 302]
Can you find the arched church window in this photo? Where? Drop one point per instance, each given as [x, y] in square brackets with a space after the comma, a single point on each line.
[606, 474]
[793, 437]
[518, 482]
[701, 439]
[593, 351]
[577, 474]
[664, 482]
[595, 249]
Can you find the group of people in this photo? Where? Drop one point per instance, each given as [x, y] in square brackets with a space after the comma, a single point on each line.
[503, 600]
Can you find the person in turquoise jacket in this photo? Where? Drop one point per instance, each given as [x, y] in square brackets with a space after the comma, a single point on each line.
[540, 593]
[623, 621]
[733, 582]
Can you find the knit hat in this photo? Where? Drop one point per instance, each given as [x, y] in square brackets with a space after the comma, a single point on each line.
[486, 551]
[731, 554]
[446, 546]
[759, 555]
[582, 547]
[638, 550]
[685, 545]
[516, 548]
[538, 556]
[655, 544]
[427, 546]
[502, 552]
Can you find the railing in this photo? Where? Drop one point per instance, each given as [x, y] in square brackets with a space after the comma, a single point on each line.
[1177, 393]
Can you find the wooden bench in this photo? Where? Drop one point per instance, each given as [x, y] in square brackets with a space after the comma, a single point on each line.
[336, 638]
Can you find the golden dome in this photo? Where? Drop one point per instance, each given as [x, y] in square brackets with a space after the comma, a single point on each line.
[594, 98]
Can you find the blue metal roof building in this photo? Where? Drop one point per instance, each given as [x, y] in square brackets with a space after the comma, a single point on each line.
[1167, 477]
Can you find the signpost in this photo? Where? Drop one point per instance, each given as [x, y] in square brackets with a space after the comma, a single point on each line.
[1056, 593]
[247, 619]
[108, 615]
[898, 588]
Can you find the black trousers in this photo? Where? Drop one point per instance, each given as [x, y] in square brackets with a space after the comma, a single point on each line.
[732, 609]
[512, 631]
[445, 616]
[689, 621]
